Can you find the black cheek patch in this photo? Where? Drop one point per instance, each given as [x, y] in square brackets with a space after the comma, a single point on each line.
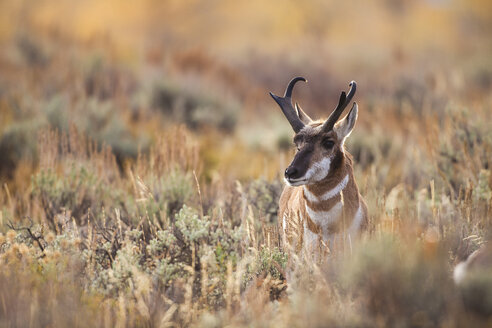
[301, 161]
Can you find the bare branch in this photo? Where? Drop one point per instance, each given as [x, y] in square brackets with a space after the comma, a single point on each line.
[37, 239]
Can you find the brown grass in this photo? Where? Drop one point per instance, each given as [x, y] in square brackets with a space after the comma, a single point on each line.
[141, 162]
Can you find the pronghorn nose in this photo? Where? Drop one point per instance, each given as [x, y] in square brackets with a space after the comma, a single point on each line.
[290, 172]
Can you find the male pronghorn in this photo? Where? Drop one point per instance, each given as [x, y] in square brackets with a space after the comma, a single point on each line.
[321, 204]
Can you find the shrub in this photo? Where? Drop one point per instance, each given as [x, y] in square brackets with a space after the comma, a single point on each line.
[163, 196]
[18, 141]
[79, 192]
[104, 124]
[197, 110]
[404, 285]
[263, 197]
[75, 179]
[191, 244]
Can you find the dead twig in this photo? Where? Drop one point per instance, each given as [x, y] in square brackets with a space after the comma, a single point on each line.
[37, 239]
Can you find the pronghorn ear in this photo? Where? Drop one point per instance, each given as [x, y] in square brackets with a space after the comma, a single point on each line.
[345, 126]
[302, 115]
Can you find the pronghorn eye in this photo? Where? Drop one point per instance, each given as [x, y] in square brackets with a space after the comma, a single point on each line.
[328, 143]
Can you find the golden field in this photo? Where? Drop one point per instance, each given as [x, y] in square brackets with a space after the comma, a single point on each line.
[141, 161]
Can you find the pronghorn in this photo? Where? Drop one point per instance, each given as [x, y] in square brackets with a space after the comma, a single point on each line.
[472, 277]
[321, 204]
[480, 260]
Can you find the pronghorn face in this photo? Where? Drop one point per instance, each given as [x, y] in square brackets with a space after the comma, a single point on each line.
[318, 151]
[319, 144]
[314, 155]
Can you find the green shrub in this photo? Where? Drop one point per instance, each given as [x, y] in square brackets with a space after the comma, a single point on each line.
[101, 121]
[404, 285]
[77, 191]
[162, 197]
[18, 141]
[192, 243]
[269, 261]
[197, 110]
[465, 150]
[263, 197]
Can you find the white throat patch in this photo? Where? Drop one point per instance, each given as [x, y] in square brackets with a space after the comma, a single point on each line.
[318, 170]
[327, 195]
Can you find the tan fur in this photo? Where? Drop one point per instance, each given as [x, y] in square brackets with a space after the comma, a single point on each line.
[321, 204]
[293, 216]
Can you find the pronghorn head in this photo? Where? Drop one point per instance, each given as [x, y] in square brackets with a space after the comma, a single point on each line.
[319, 143]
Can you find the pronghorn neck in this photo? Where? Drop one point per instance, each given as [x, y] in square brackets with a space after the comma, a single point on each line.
[332, 205]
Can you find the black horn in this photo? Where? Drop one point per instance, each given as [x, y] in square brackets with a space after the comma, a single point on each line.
[342, 104]
[287, 107]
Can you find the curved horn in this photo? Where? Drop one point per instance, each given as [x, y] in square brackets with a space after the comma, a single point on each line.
[302, 114]
[286, 106]
[342, 104]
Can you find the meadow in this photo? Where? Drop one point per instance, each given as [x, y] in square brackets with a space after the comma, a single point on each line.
[141, 162]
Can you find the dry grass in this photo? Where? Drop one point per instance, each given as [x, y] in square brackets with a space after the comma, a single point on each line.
[140, 187]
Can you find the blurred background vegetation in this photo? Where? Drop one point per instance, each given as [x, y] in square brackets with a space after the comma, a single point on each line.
[124, 71]
[141, 160]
